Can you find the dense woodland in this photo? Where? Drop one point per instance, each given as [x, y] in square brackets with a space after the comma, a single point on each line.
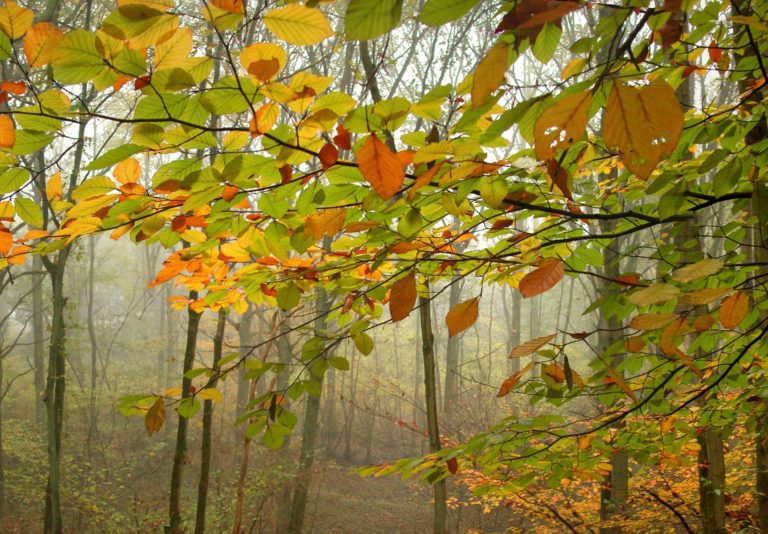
[383, 266]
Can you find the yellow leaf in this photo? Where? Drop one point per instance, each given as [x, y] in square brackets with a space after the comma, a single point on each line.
[40, 43]
[529, 347]
[211, 394]
[700, 297]
[653, 295]
[462, 316]
[402, 297]
[490, 73]
[586, 440]
[54, 187]
[700, 269]
[174, 50]
[326, 222]
[555, 372]
[15, 20]
[380, 167]
[155, 417]
[127, 171]
[562, 124]
[256, 59]
[298, 25]
[7, 132]
[172, 392]
[644, 123]
[510, 382]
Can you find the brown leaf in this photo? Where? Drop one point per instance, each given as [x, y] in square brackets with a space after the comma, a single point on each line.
[555, 371]
[453, 465]
[402, 297]
[462, 316]
[549, 273]
[652, 321]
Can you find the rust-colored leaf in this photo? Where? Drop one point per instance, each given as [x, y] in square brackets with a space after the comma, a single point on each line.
[462, 316]
[531, 346]
[634, 344]
[424, 179]
[512, 381]
[652, 321]
[6, 240]
[453, 465]
[733, 309]
[402, 297]
[342, 138]
[328, 156]
[264, 69]
[380, 167]
[555, 371]
[549, 273]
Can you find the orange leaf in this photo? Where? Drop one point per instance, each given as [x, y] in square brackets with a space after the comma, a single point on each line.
[549, 273]
[127, 171]
[652, 321]
[402, 297]
[733, 309]
[155, 416]
[555, 372]
[7, 132]
[230, 192]
[462, 316]
[616, 378]
[326, 222]
[54, 188]
[6, 240]
[264, 69]
[490, 73]
[634, 344]
[380, 167]
[40, 43]
[512, 381]
[562, 124]
[529, 347]
[15, 88]
[424, 179]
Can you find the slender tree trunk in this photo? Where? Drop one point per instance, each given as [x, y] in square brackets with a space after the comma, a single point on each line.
[54, 397]
[38, 336]
[453, 347]
[174, 507]
[205, 454]
[93, 422]
[244, 335]
[430, 395]
[309, 434]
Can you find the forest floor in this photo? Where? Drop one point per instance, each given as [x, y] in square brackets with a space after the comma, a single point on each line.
[342, 502]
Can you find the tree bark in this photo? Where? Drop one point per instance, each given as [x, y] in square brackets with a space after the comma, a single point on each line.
[440, 511]
[205, 454]
[174, 506]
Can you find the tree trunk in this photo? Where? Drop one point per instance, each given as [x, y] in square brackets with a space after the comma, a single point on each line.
[205, 454]
[430, 395]
[38, 336]
[54, 397]
[451, 391]
[309, 434]
[174, 507]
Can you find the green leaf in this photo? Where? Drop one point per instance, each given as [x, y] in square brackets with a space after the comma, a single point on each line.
[368, 19]
[29, 211]
[29, 141]
[439, 12]
[546, 43]
[5, 47]
[13, 179]
[273, 439]
[76, 59]
[288, 296]
[363, 343]
[189, 407]
[339, 362]
[116, 155]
